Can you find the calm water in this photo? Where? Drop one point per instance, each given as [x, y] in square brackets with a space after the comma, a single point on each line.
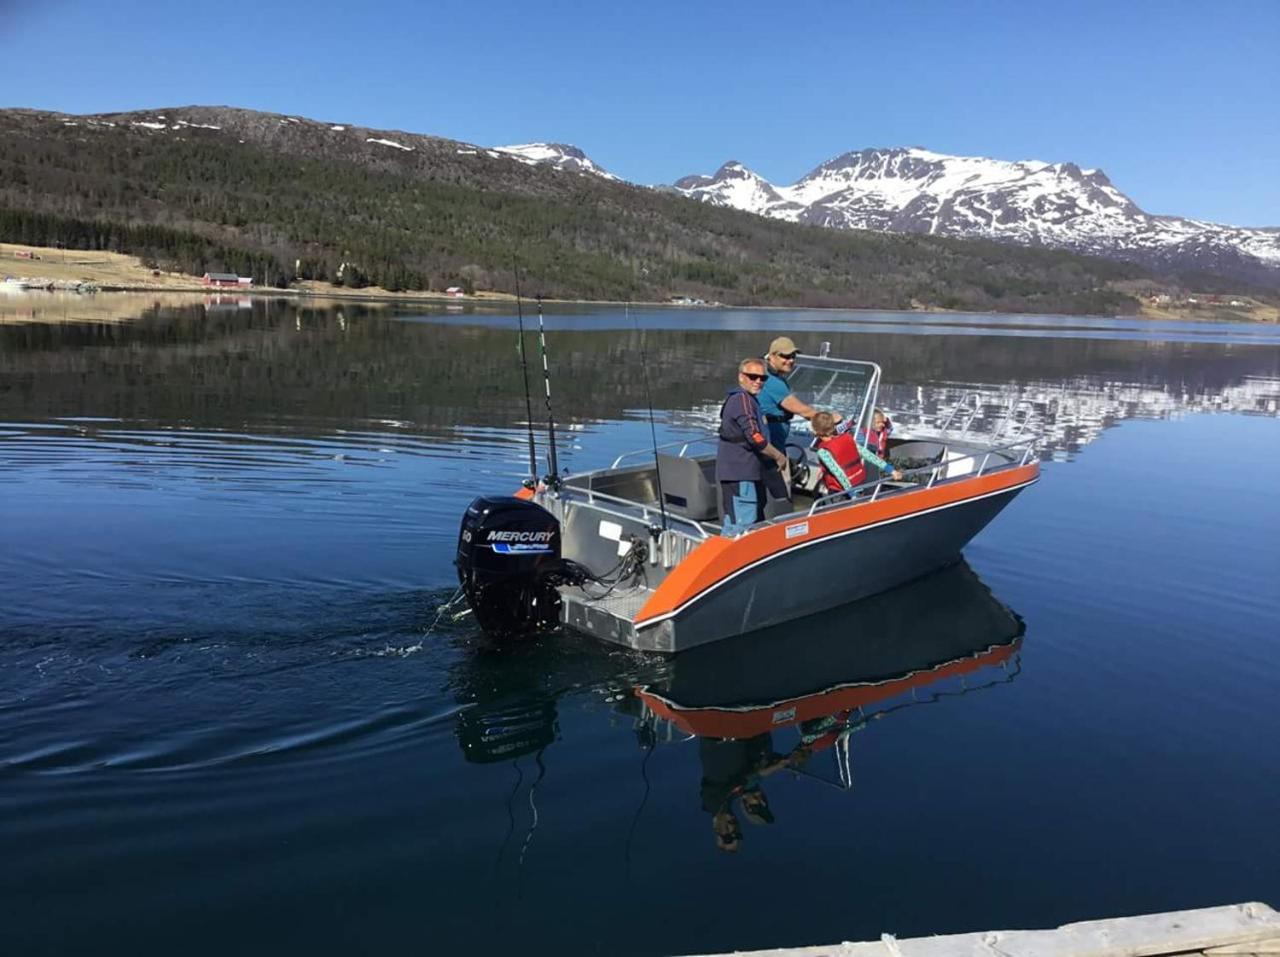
[226, 722]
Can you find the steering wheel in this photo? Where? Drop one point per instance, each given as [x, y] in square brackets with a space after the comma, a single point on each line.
[799, 465]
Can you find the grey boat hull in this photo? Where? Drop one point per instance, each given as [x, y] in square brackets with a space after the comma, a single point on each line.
[811, 577]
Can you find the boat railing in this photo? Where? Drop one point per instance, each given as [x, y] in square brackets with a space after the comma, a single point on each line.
[650, 514]
[682, 444]
[1025, 451]
[966, 409]
[1021, 448]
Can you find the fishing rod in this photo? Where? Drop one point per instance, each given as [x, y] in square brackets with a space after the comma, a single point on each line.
[553, 478]
[524, 367]
[653, 433]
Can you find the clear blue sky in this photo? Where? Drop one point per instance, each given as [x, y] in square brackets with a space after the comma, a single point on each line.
[1178, 101]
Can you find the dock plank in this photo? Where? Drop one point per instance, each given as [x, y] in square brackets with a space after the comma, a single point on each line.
[1246, 926]
[1271, 946]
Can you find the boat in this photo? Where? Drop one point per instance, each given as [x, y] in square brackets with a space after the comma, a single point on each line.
[25, 284]
[635, 554]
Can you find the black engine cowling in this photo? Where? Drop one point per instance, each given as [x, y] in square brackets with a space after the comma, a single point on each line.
[507, 549]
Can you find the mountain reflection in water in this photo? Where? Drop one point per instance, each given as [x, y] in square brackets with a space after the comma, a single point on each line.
[314, 370]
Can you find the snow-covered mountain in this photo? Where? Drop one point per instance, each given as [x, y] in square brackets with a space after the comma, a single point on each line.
[735, 185]
[1031, 203]
[557, 155]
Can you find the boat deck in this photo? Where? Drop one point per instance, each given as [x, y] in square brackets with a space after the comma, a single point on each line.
[610, 617]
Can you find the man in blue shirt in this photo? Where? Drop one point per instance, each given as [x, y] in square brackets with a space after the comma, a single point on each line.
[777, 402]
[744, 455]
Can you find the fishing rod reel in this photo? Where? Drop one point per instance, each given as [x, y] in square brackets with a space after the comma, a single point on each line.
[510, 567]
[549, 482]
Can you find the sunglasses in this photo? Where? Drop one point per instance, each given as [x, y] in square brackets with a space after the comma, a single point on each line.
[786, 355]
[754, 376]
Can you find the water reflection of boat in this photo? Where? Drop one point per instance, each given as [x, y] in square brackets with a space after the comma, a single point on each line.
[817, 682]
[858, 656]
[827, 677]
[487, 736]
[945, 626]
[635, 554]
[509, 697]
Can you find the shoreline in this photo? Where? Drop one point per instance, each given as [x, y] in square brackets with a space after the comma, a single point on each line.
[494, 299]
[119, 272]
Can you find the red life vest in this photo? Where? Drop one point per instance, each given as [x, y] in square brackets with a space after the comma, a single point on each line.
[878, 440]
[844, 450]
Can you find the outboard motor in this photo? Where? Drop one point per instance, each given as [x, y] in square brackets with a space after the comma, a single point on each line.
[508, 556]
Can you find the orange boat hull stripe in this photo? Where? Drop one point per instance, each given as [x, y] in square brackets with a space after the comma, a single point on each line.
[719, 558]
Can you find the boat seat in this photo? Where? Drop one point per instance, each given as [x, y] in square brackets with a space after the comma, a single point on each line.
[686, 488]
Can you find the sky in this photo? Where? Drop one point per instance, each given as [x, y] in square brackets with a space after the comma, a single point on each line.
[1178, 102]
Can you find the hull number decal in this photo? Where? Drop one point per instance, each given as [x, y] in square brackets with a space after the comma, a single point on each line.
[795, 531]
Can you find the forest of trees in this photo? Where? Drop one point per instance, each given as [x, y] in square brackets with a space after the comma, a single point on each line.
[283, 210]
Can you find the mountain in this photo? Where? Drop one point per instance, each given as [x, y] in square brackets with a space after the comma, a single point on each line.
[287, 198]
[736, 186]
[557, 156]
[1030, 203]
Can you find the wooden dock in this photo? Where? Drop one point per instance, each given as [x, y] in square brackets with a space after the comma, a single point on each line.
[1237, 930]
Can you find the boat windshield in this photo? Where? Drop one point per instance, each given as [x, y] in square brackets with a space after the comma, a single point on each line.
[842, 385]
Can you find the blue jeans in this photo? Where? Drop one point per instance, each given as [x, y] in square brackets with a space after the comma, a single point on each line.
[743, 505]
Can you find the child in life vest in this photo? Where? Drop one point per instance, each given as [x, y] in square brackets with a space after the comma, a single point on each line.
[842, 457]
[878, 434]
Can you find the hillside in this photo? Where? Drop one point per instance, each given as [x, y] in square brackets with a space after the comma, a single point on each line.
[287, 198]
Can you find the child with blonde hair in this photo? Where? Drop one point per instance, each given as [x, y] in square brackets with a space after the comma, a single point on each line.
[878, 434]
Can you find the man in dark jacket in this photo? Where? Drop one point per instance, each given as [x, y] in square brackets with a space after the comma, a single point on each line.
[744, 457]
